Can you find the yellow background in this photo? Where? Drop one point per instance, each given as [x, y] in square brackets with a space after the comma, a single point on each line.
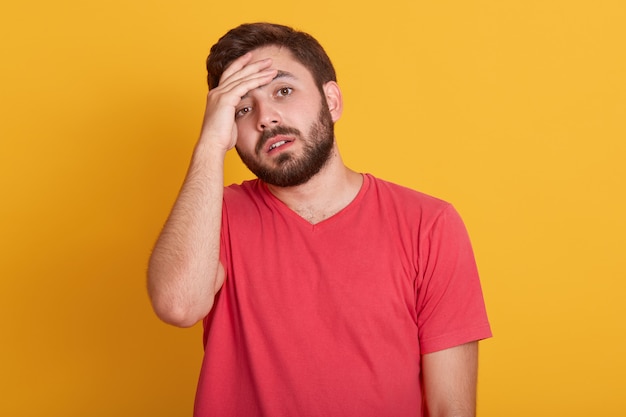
[512, 110]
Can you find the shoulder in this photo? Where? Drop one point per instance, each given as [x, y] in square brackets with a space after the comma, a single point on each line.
[405, 198]
[246, 190]
[245, 197]
[413, 209]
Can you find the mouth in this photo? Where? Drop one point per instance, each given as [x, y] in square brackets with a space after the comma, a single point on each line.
[278, 142]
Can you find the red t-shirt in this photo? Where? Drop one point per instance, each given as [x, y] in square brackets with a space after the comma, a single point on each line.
[331, 319]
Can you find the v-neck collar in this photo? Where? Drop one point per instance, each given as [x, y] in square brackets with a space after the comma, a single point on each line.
[328, 222]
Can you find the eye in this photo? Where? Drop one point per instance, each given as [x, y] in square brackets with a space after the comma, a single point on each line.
[242, 112]
[284, 91]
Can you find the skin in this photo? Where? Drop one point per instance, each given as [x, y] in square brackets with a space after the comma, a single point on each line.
[449, 381]
[259, 91]
[286, 168]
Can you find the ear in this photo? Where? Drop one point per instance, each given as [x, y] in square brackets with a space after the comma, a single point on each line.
[333, 99]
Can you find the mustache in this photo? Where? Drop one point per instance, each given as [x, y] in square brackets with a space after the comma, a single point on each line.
[270, 133]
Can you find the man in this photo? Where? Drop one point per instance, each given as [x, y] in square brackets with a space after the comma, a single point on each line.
[324, 292]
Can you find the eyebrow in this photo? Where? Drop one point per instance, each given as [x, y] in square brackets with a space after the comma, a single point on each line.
[279, 74]
[283, 74]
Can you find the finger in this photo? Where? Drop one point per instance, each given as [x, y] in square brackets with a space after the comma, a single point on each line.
[243, 69]
[236, 65]
[243, 85]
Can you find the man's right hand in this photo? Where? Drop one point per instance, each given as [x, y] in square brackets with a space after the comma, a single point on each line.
[241, 76]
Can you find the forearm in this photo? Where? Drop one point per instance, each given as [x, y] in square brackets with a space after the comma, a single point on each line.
[450, 378]
[183, 272]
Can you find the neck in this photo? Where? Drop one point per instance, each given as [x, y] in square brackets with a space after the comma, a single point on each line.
[325, 194]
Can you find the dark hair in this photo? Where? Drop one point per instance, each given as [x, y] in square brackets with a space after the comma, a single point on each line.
[250, 36]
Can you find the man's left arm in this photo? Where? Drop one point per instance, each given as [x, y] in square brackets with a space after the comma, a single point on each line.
[449, 381]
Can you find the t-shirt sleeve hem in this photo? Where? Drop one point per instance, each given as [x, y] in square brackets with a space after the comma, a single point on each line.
[455, 339]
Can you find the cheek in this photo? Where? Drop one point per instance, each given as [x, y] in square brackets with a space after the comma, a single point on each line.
[245, 132]
[301, 116]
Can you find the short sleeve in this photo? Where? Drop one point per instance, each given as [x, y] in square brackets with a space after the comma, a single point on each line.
[450, 307]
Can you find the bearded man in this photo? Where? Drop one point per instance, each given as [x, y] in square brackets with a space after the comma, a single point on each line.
[323, 291]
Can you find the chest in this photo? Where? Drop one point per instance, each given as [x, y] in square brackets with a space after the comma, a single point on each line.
[364, 269]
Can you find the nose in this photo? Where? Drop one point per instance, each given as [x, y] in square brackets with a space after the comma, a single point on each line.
[267, 116]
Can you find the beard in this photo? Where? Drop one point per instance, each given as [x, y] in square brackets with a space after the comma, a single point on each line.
[289, 170]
